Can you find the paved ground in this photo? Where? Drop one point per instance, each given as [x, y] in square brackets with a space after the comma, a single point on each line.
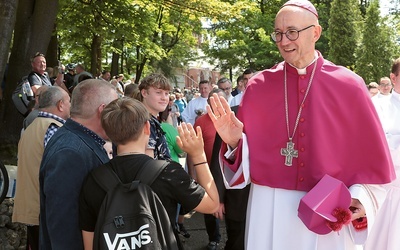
[194, 224]
[198, 236]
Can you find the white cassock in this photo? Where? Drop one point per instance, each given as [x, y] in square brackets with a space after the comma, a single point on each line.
[272, 222]
[386, 230]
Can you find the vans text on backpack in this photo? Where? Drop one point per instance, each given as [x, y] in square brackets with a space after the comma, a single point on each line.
[131, 215]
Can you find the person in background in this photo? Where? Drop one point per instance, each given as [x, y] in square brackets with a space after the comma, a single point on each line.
[226, 85]
[373, 89]
[385, 89]
[115, 83]
[76, 149]
[288, 146]
[105, 75]
[174, 113]
[81, 74]
[54, 109]
[39, 76]
[170, 134]
[131, 89]
[241, 85]
[197, 106]
[181, 102]
[243, 80]
[69, 77]
[385, 231]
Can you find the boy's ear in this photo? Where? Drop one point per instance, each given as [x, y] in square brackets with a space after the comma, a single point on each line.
[146, 128]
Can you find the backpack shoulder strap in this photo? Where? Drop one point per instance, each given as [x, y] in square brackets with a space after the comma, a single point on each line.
[151, 170]
[106, 177]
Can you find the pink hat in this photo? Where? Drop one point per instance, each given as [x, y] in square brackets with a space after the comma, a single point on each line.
[325, 208]
[305, 4]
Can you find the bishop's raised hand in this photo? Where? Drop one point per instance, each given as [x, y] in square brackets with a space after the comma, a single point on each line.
[229, 128]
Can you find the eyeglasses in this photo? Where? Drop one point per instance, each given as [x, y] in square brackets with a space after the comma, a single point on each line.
[385, 85]
[226, 89]
[291, 34]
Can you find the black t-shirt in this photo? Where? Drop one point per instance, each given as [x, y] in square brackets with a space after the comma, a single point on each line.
[172, 186]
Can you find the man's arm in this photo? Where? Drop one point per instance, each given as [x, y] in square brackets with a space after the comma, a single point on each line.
[192, 143]
[61, 188]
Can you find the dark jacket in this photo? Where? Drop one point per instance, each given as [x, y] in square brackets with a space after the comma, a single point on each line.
[68, 157]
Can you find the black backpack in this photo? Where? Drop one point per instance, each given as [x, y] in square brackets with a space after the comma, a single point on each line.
[131, 215]
[22, 96]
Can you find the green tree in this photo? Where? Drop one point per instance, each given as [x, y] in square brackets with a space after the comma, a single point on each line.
[241, 40]
[376, 52]
[323, 7]
[344, 32]
[138, 36]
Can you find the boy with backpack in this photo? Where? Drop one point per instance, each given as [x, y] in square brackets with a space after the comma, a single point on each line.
[126, 122]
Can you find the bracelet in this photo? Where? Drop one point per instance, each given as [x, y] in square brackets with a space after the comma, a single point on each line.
[200, 163]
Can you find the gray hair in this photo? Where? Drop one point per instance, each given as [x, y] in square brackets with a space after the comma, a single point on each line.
[89, 95]
[222, 80]
[50, 97]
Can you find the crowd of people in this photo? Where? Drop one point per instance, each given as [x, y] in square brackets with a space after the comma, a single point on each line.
[252, 152]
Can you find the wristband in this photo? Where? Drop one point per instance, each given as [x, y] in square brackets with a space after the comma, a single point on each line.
[200, 163]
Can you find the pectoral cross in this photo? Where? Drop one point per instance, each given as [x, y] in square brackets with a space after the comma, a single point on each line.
[289, 152]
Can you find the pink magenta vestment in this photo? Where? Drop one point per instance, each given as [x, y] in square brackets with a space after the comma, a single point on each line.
[339, 132]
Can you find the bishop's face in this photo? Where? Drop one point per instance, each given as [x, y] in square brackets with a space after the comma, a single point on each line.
[298, 52]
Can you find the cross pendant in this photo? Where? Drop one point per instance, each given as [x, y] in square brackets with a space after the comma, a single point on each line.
[289, 152]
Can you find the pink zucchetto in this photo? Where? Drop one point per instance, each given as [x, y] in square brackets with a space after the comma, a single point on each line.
[307, 5]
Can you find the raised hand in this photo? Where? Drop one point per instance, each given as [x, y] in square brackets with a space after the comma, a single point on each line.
[189, 140]
[225, 122]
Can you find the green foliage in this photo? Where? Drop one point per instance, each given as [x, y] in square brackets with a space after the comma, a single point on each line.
[377, 50]
[323, 7]
[242, 40]
[344, 32]
[143, 33]
[160, 35]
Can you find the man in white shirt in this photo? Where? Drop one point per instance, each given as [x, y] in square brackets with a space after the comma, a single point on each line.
[390, 119]
[385, 88]
[197, 106]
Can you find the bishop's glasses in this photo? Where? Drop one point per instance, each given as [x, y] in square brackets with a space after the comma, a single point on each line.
[291, 34]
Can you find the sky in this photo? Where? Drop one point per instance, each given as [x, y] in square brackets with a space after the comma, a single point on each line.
[384, 4]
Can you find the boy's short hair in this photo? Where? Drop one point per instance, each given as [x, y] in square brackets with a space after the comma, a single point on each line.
[123, 120]
[154, 80]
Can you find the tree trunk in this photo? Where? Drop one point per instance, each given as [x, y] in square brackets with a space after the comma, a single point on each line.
[140, 63]
[95, 67]
[52, 55]
[8, 11]
[114, 64]
[32, 32]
